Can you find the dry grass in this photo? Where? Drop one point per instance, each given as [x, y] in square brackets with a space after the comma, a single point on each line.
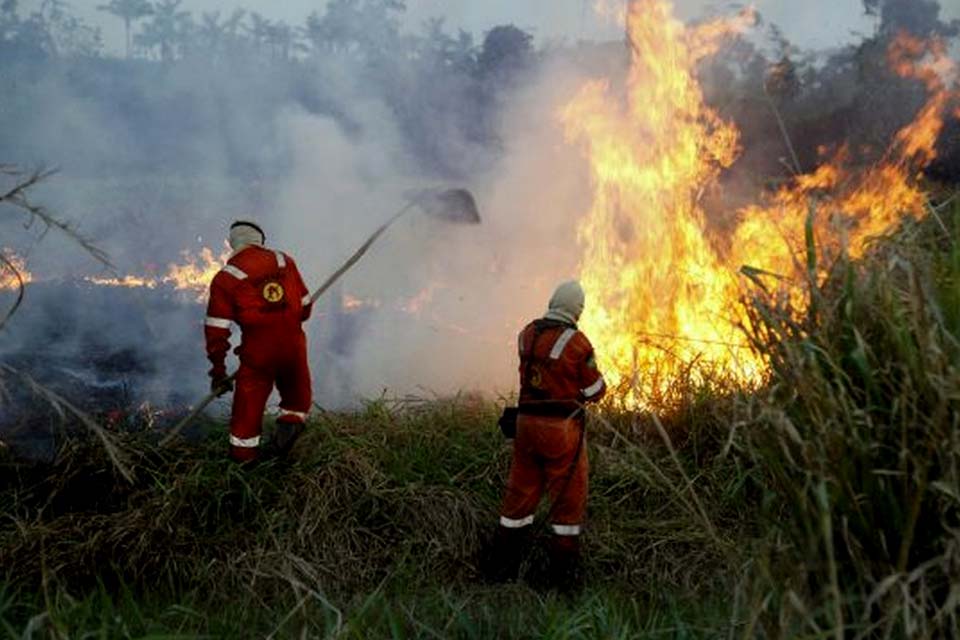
[825, 504]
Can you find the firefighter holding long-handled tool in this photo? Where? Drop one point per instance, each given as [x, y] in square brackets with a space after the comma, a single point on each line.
[558, 375]
[261, 291]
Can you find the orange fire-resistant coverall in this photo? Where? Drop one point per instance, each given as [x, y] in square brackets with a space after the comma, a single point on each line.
[262, 292]
[557, 372]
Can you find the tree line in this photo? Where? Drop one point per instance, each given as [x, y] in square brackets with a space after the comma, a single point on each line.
[164, 30]
[433, 78]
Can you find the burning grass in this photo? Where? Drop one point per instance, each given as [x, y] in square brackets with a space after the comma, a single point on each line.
[824, 503]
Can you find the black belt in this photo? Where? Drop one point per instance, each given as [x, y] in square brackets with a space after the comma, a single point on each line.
[555, 409]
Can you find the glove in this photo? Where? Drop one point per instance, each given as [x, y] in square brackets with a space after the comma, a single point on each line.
[221, 385]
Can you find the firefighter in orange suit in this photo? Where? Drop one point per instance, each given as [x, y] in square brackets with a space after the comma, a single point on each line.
[558, 374]
[261, 291]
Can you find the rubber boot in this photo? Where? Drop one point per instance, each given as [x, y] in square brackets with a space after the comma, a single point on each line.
[502, 562]
[565, 566]
[284, 437]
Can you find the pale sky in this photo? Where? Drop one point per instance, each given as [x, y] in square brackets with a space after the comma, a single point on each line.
[808, 23]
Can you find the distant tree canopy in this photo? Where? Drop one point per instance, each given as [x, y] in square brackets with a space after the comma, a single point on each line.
[226, 77]
[919, 17]
[506, 50]
[129, 11]
[168, 31]
[222, 79]
[50, 30]
[365, 27]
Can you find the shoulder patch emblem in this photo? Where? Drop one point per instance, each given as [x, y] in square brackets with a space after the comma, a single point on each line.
[536, 377]
[273, 292]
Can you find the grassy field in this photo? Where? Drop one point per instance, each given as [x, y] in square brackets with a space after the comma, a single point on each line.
[824, 504]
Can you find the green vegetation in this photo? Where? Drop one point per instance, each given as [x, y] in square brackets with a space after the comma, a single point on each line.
[826, 503]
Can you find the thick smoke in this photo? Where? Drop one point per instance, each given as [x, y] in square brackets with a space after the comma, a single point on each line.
[321, 137]
[440, 304]
[158, 156]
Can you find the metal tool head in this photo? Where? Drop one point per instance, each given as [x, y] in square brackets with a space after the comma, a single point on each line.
[452, 205]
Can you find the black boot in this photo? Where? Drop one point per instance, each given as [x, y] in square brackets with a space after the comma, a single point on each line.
[502, 560]
[284, 437]
[565, 567]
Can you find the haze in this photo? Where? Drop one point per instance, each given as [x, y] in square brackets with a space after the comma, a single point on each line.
[811, 24]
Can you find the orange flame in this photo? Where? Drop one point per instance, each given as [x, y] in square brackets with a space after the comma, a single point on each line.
[661, 293]
[196, 272]
[648, 265]
[8, 279]
[852, 206]
[192, 276]
[124, 281]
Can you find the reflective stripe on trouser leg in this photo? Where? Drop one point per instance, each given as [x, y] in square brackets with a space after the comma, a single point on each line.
[525, 483]
[293, 385]
[246, 421]
[286, 415]
[516, 523]
[567, 479]
[566, 529]
[245, 443]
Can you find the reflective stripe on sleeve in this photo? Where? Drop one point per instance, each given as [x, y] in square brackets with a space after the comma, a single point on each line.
[510, 523]
[236, 273]
[593, 389]
[296, 414]
[218, 323]
[245, 443]
[305, 300]
[566, 529]
[281, 261]
[561, 343]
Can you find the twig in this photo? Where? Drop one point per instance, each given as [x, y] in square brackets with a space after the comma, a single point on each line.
[693, 494]
[670, 336]
[17, 197]
[20, 289]
[190, 417]
[786, 135]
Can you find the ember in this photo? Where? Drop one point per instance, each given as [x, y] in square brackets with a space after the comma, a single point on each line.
[9, 281]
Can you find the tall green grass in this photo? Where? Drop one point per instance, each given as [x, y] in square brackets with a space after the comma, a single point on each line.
[857, 441]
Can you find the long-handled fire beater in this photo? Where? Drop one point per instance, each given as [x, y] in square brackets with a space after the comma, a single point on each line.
[450, 205]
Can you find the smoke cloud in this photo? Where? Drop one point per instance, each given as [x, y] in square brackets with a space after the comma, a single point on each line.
[157, 158]
[321, 137]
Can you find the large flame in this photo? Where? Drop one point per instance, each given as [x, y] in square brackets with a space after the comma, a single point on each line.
[662, 293]
[851, 205]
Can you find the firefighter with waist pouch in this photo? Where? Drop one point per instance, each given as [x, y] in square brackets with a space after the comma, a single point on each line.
[558, 376]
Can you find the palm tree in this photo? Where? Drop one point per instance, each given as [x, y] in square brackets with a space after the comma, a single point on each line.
[210, 33]
[129, 11]
[259, 29]
[169, 27]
